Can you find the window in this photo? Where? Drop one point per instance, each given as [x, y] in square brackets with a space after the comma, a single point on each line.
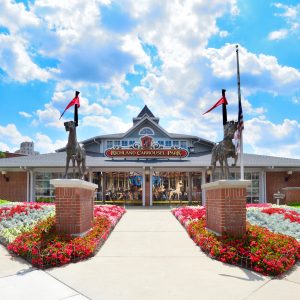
[183, 144]
[168, 143]
[117, 143]
[146, 131]
[44, 191]
[131, 143]
[124, 143]
[109, 144]
[161, 143]
[176, 143]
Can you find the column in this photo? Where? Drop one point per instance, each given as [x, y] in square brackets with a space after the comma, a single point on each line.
[104, 180]
[74, 206]
[32, 192]
[147, 186]
[226, 207]
[203, 181]
[190, 188]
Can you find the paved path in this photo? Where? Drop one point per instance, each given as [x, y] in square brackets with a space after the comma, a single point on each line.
[148, 256]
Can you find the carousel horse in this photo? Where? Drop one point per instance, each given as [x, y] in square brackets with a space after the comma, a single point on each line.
[177, 192]
[225, 149]
[74, 151]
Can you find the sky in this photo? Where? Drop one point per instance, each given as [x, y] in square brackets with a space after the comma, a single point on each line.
[175, 56]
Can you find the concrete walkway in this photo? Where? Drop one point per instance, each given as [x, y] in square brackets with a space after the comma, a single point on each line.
[148, 256]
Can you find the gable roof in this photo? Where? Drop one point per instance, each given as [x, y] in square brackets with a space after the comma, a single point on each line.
[145, 111]
[144, 119]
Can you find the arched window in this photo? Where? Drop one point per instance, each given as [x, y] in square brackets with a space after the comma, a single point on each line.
[146, 131]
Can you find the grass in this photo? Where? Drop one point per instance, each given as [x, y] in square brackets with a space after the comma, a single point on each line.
[4, 201]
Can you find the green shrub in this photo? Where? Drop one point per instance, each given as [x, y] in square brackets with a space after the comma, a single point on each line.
[294, 204]
[4, 201]
[45, 200]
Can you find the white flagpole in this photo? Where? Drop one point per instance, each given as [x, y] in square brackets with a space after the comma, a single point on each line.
[239, 99]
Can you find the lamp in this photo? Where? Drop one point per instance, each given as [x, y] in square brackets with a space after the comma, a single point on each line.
[5, 176]
[288, 175]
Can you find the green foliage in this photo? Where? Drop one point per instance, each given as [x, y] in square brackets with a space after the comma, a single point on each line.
[2, 154]
[45, 200]
[3, 201]
[294, 204]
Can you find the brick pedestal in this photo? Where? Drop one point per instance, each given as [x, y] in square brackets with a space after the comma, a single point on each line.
[226, 206]
[74, 205]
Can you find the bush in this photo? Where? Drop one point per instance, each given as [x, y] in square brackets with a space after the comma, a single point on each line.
[4, 201]
[294, 204]
[45, 200]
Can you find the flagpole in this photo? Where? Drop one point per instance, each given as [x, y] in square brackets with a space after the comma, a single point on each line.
[240, 100]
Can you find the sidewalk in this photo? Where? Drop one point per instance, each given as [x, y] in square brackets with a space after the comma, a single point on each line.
[147, 256]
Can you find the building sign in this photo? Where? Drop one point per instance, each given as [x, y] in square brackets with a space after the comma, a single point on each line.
[146, 149]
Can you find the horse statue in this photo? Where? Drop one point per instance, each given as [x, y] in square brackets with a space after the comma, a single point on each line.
[225, 149]
[75, 151]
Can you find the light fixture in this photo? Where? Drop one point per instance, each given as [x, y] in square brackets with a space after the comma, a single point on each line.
[4, 174]
[288, 176]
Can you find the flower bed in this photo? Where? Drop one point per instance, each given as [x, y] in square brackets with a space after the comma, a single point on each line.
[38, 242]
[260, 250]
[18, 218]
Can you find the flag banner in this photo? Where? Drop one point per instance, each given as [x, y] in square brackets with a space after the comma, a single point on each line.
[237, 141]
[240, 117]
[73, 102]
[223, 100]
[240, 128]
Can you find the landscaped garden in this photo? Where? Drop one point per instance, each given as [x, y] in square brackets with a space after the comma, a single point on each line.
[270, 246]
[28, 230]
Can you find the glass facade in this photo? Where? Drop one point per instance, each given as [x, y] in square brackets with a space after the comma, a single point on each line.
[44, 191]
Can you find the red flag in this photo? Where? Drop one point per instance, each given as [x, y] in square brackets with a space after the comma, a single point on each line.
[221, 101]
[73, 102]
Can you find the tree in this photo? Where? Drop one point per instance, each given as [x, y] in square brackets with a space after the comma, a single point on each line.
[2, 154]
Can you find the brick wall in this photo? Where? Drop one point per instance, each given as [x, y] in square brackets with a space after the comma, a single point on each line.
[276, 181]
[16, 188]
[226, 211]
[74, 209]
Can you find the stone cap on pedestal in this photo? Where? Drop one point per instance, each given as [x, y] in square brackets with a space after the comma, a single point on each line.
[226, 184]
[73, 183]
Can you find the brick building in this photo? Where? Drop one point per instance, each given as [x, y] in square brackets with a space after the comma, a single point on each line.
[146, 165]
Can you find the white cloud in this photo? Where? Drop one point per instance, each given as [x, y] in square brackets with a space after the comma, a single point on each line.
[4, 147]
[14, 16]
[25, 114]
[50, 114]
[44, 144]
[16, 62]
[11, 137]
[258, 72]
[108, 125]
[133, 110]
[278, 34]
[296, 99]
[290, 14]
[223, 33]
[265, 137]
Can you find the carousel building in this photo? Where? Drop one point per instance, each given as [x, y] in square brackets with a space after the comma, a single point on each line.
[146, 166]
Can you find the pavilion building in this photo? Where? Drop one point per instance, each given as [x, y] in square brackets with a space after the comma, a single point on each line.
[146, 165]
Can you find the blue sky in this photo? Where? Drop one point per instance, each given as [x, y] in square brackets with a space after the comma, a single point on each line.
[174, 56]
